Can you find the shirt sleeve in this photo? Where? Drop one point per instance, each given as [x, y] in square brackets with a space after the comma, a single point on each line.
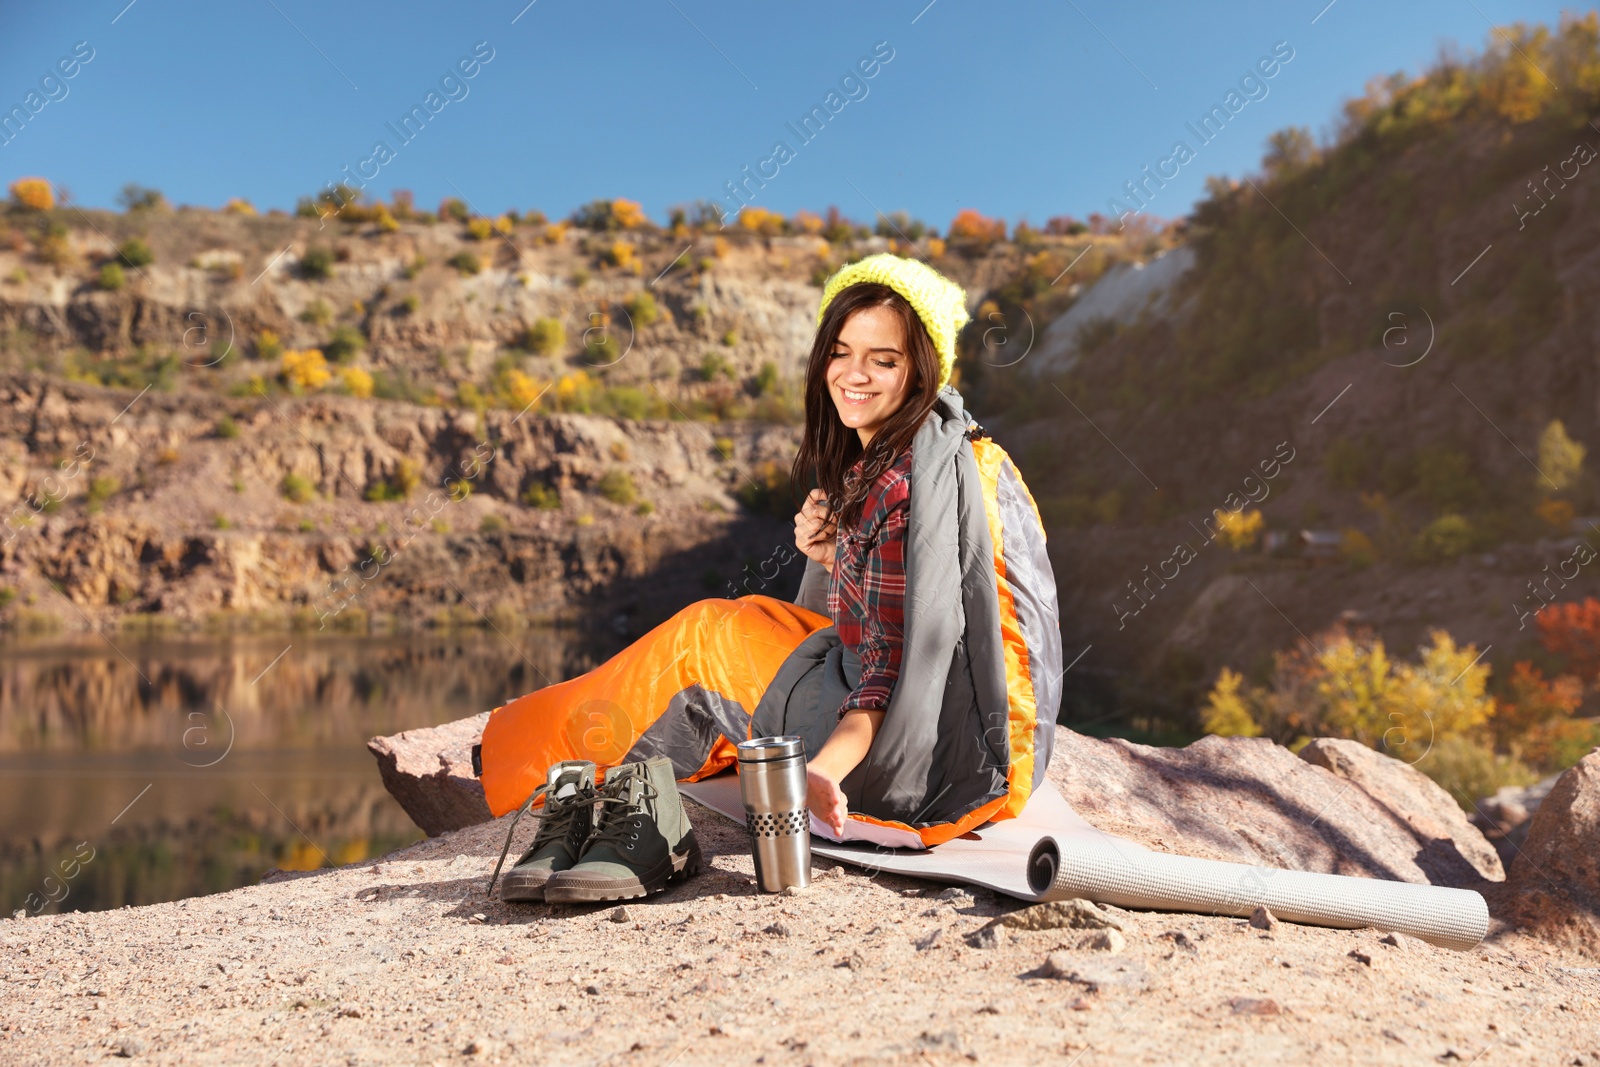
[883, 587]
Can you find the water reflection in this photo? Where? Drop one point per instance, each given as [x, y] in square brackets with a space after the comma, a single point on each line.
[165, 768]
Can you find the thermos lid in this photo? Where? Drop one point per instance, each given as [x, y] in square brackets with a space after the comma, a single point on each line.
[758, 749]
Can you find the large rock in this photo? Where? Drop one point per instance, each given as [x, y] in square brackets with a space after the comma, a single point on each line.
[1556, 878]
[1441, 828]
[1250, 800]
[429, 771]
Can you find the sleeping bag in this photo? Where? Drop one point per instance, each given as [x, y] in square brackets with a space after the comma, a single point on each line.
[967, 734]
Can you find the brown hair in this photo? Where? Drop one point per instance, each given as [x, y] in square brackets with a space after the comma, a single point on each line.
[829, 448]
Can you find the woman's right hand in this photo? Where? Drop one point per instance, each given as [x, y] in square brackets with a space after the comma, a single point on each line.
[814, 531]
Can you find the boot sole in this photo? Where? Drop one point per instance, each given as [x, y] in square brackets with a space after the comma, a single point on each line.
[525, 887]
[675, 868]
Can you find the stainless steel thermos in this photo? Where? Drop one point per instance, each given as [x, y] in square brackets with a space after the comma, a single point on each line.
[772, 778]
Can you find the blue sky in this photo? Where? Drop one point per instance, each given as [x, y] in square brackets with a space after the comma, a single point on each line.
[1020, 110]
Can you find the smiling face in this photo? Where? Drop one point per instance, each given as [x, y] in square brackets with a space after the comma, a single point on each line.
[869, 372]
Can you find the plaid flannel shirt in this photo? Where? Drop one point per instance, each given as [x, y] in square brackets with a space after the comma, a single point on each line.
[867, 589]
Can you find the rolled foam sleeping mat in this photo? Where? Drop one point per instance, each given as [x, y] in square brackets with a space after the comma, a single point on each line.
[1050, 852]
[1124, 874]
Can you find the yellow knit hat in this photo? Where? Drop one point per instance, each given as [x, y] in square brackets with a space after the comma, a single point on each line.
[939, 302]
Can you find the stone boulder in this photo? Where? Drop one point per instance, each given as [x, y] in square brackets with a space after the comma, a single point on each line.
[1504, 815]
[429, 771]
[1250, 800]
[1555, 880]
[1441, 828]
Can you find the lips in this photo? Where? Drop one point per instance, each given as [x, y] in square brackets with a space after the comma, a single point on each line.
[860, 398]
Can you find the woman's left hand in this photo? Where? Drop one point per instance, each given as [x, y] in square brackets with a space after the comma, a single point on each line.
[825, 799]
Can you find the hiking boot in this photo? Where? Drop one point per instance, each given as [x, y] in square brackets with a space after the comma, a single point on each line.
[641, 840]
[564, 825]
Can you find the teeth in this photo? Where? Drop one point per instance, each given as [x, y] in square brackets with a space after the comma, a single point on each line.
[848, 395]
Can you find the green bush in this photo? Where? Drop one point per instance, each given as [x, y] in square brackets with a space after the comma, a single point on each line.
[100, 490]
[642, 309]
[644, 508]
[540, 495]
[226, 428]
[466, 262]
[298, 488]
[546, 337]
[767, 379]
[111, 277]
[617, 486]
[345, 344]
[135, 253]
[493, 523]
[318, 313]
[723, 446]
[1444, 539]
[317, 263]
[411, 303]
[399, 485]
[713, 364]
[414, 268]
[625, 401]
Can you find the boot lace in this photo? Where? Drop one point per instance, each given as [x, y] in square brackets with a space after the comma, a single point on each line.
[616, 823]
[555, 821]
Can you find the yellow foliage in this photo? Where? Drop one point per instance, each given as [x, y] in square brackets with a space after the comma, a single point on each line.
[1560, 458]
[628, 213]
[479, 229]
[808, 222]
[935, 248]
[574, 389]
[622, 254]
[1226, 712]
[719, 247]
[555, 233]
[1557, 513]
[524, 389]
[760, 220]
[1238, 530]
[33, 193]
[357, 382]
[387, 222]
[305, 368]
[239, 206]
[502, 225]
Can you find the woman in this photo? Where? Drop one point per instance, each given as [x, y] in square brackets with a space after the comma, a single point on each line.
[829, 666]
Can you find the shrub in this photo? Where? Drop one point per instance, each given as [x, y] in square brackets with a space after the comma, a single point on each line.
[620, 452]
[730, 338]
[459, 489]
[493, 523]
[642, 309]
[357, 382]
[723, 446]
[35, 194]
[546, 337]
[414, 268]
[221, 521]
[714, 363]
[319, 312]
[226, 428]
[112, 277]
[304, 369]
[399, 485]
[1444, 539]
[136, 197]
[644, 508]
[317, 263]
[454, 208]
[411, 303]
[1238, 530]
[1445, 479]
[617, 486]
[767, 379]
[1560, 459]
[135, 253]
[540, 495]
[268, 346]
[480, 229]
[100, 490]
[345, 344]
[298, 488]
[466, 263]
[768, 491]
[625, 401]
[239, 206]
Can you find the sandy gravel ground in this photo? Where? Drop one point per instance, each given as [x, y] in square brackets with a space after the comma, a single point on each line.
[405, 961]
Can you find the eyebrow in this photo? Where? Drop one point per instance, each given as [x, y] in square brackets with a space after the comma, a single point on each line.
[880, 348]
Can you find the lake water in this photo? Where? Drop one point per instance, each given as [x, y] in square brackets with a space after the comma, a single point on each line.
[158, 769]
